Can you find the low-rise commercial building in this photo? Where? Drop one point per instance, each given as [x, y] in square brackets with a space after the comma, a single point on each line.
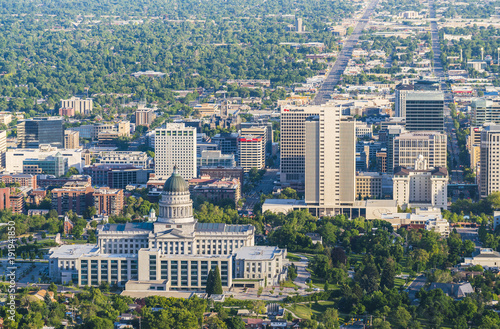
[16, 157]
[133, 158]
[222, 172]
[56, 165]
[117, 175]
[487, 258]
[215, 159]
[430, 220]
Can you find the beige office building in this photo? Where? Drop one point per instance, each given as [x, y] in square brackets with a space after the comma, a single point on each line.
[489, 175]
[175, 145]
[71, 139]
[123, 128]
[3, 147]
[330, 159]
[251, 152]
[474, 147]
[368, 185]
[83, 106]
[432, 145]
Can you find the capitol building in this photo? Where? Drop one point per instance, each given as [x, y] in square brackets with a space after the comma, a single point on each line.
[170, 253]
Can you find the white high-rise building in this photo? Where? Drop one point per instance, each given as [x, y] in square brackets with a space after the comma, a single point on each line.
[175, 145]
[252, 152]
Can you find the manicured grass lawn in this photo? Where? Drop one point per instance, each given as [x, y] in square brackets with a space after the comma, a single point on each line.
[289, 284]
[303, 310]
[293, 257]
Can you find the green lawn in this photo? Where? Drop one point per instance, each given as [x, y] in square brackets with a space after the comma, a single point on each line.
[289, 284]
[399, 282]
[293, 257]
[303, 310]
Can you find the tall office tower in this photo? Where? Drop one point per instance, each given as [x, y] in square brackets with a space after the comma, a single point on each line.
[251, 152]
[400, 99]
[144, 117]
[490, 162]
[83, 106]
[71, 139]
[31, 133]
[293, 148]
[329, 158]
[175, 145]
[485, 110]
[425, 110]
[3, 147]
[432, 145]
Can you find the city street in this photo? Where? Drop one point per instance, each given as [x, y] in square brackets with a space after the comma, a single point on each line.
[333, 78]
[264, 186]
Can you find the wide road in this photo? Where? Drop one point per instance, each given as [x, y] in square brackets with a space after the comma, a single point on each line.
[333, 78]
[456, 174]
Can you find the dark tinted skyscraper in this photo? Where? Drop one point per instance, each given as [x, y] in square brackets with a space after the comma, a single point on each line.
[33, 132]
[424, 110]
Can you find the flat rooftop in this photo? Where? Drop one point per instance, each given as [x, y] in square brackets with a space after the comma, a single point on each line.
[257, 252]
[72, 251]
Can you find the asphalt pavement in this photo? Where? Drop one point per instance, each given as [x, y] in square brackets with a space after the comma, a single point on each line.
[333, 78]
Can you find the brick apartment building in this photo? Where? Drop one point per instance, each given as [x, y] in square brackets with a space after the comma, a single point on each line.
[108, 201]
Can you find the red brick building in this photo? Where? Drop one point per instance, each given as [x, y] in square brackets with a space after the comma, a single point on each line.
[23, 180]
[75, 196]
[13, 199]
[108, 201]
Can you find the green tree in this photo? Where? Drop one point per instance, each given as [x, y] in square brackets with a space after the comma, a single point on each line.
[53, 288]
[400, 317]
[214, 283]
[388, 274]
[98, 323]
[235, 322]
[330, 318]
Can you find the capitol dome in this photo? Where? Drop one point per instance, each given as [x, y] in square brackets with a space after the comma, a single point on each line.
[175, 183]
